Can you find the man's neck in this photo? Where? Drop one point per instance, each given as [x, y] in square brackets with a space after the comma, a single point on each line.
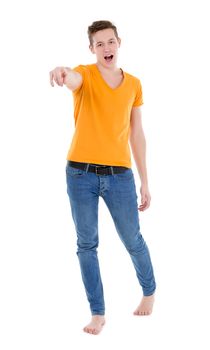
[108, 70]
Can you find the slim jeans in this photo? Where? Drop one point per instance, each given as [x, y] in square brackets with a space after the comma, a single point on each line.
[119, 193]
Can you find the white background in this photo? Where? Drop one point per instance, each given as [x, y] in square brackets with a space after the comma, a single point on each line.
[43, 304]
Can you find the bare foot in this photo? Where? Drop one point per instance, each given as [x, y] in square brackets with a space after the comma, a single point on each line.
[146, 305]
[96, 324]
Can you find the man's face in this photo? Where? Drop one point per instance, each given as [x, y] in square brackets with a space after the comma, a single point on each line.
[105, 46]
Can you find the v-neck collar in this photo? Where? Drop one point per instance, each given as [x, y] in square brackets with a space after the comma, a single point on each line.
[104, 81]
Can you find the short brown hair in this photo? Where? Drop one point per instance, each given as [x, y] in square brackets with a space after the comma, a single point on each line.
[100, 25]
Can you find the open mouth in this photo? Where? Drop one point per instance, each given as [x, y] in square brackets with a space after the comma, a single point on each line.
[108, 58]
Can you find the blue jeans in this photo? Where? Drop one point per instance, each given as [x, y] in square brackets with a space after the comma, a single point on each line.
[119, 193]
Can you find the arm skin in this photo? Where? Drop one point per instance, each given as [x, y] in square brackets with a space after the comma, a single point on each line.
[138, 147]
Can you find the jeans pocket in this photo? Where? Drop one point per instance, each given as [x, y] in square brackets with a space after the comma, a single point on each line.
[74, 172]
[126, 175]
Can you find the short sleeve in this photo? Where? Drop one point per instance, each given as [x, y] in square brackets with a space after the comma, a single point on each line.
[139, 97]
[82, 70]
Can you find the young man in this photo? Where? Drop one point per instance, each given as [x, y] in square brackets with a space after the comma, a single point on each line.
[107, 115]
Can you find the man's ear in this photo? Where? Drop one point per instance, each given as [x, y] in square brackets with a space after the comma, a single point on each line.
[91, 48]
[119, 41]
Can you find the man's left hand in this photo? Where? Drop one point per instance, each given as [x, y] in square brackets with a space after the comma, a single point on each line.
[145, 198]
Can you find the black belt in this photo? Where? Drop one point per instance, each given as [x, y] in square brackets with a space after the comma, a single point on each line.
[98, 169]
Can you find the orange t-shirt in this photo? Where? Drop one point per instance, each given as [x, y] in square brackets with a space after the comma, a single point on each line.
[102, 118]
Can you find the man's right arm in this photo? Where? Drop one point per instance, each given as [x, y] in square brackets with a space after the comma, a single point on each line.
[67, 76]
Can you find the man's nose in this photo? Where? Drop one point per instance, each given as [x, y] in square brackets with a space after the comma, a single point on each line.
[106, 48]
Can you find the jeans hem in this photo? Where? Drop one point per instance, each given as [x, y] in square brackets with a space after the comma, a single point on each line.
[101, 313]
[147, 294]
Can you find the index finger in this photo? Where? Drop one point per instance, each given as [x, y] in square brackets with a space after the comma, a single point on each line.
[51, 78]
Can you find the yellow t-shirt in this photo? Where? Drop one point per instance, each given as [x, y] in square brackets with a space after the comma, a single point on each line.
[102, 118]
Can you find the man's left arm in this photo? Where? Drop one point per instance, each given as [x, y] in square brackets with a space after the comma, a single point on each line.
[138, 146]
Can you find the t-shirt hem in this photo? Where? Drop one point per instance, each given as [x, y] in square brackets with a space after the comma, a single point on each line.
[138, 104]
[104, 162]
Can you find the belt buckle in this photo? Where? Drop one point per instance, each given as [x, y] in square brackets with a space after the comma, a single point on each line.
[99, 166]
